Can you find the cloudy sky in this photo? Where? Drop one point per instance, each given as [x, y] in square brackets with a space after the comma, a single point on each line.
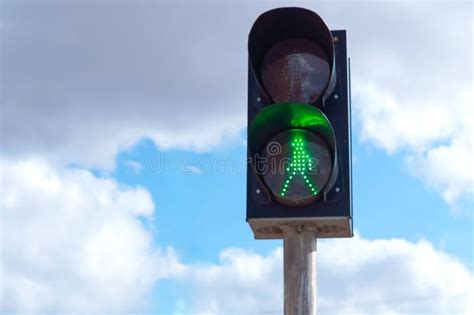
[123, 148]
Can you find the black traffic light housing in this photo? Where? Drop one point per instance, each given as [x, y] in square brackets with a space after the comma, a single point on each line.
[326, 115]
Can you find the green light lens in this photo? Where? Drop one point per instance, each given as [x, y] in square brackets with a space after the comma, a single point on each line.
[298, 165]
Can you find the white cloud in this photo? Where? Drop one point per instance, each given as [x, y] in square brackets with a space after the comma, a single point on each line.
[394, 126]
[355, 276]
[156, 70]
[82, 92]
[413, 91]
[242, 283]
[437, 141]
[72, 242]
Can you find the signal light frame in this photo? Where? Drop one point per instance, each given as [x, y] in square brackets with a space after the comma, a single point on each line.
[331, 214]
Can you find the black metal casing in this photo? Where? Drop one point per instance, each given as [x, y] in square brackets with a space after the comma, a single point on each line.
[331, 215]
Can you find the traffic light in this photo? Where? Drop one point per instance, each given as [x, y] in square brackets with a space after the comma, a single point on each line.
[299, 145]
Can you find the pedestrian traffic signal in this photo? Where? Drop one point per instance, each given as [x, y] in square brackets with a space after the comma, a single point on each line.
[299, 147]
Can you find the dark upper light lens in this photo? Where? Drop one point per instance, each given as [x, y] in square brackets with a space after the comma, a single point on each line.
[296, 166]
[295, 70]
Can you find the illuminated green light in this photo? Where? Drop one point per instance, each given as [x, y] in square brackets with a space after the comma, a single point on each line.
[299, 165]
[307, 142]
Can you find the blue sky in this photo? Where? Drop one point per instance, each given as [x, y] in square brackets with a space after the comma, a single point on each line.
[123, 152]
[388, 201]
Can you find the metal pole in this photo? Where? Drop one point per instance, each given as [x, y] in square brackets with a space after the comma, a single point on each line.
[299, 268]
